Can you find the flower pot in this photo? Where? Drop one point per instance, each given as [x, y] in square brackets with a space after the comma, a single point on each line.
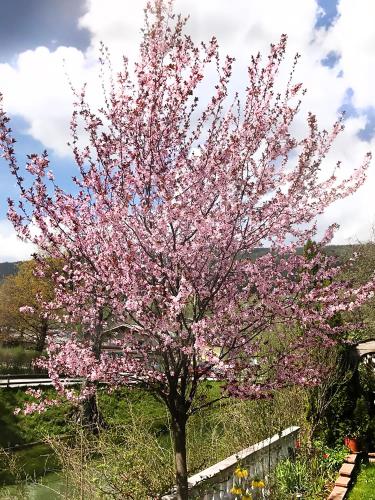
[354, 444]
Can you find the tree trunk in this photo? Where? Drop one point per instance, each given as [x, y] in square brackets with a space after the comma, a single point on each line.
[179, 439]
[91, 415]
[92, 418]
[41, 338]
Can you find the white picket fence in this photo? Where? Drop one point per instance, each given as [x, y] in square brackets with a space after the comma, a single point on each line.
[259, 459]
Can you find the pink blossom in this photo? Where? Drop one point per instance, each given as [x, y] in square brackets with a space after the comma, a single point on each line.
[171, 201]
[27, 309]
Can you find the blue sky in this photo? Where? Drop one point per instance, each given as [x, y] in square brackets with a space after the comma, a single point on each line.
[335, 39]
[27, 24]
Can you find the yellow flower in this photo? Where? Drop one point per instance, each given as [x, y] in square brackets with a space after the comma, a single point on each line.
[246, 497]
[257, 484]
[241, 473]
[236, 490]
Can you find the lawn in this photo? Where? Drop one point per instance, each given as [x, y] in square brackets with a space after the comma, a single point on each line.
[364, 487]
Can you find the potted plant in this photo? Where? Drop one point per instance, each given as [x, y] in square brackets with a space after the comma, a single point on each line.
[353, 443]
[358, 426]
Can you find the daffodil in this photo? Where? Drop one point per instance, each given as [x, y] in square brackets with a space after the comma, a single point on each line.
[246, 497]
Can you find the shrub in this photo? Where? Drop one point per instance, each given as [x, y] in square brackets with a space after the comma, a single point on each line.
[308, 472]
[126, 462]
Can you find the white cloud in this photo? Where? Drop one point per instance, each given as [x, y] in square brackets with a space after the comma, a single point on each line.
[11, 247]
[36, 87]
[116, 23]
[355, 214]
[353, 37]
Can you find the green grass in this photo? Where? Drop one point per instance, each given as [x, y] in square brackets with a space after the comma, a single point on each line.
[20, 429]
[34, 461]
[30, 462]
[212, 435]
[364, 487]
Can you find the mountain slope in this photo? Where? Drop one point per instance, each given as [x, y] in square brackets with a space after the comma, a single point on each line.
[7, 268]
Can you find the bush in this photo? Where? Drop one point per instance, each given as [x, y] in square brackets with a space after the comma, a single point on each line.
[309, 472]
[126, 462]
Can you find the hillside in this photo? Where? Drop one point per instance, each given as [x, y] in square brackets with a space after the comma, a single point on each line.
[7, 268]
[339, 250]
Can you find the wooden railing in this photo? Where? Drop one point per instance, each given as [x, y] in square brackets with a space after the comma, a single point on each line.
[215, 482]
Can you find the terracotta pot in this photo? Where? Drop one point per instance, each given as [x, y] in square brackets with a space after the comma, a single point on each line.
[353, 444]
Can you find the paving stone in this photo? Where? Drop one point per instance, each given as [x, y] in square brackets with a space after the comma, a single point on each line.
[371, 460]
[342, 481]
[351, 459]
[346, 470]
[371, 454]
[338, 493]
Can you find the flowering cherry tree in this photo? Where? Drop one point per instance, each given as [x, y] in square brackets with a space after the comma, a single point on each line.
[171, 198]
